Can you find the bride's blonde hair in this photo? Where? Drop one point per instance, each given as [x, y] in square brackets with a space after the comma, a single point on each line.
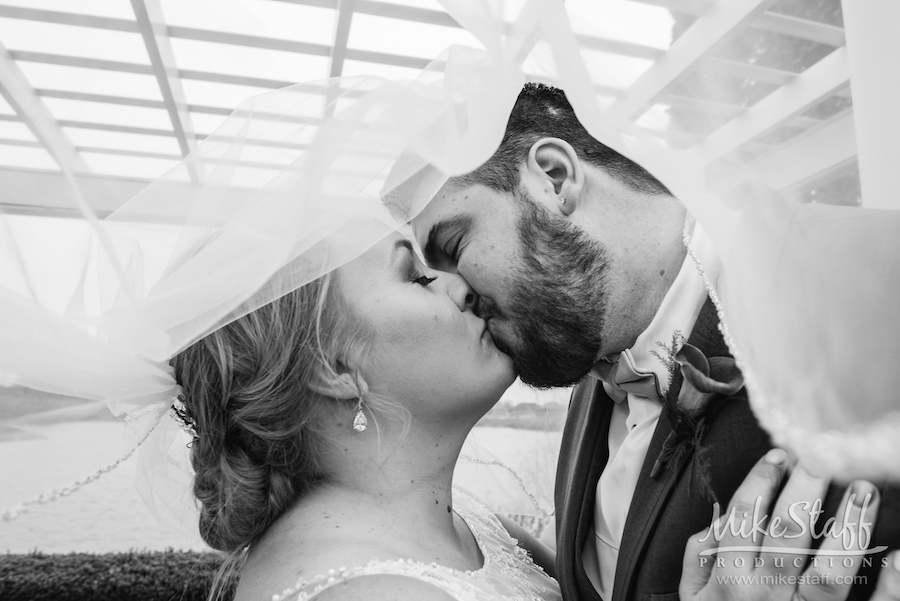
[258, 443]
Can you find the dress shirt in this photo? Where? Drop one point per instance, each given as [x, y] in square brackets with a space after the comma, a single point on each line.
[634, 417]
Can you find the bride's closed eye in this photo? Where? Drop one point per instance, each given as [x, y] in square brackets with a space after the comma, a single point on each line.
[423, 280]
[415, 273]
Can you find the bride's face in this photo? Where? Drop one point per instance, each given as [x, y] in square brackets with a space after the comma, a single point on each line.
[428, 349]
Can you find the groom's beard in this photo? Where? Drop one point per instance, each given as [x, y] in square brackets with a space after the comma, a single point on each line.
[558, 303]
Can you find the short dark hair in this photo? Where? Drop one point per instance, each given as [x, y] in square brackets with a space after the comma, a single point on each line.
[542, 111]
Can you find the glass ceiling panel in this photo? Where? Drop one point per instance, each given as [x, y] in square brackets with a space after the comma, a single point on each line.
[115, 114]
[27, 157]
[824, 11]
[119, 9]
[656, 118]
[248, 177]
[394, 72]
[12, 130]
[94, 81]
[406, 38]
[254, 17]
[267, 154]
[614, 70]
[125, 166]
[623, 20]
[773, 50]
[122, 141]
[89, 42]
[220, 95]
[266, 131]
[604, 101]
[250, 62]
[206, 124]
[430, 4]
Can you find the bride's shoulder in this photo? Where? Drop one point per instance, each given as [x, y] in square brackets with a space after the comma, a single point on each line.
[288, 555]
[305, 570]
[307, 545]
[384, 587]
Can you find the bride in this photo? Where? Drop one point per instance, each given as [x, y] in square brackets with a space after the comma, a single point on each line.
[328, 426]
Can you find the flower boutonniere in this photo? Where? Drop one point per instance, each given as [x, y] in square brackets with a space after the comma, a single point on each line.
[704, 380]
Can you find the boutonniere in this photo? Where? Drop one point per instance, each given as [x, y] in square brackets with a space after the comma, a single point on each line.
[705, 381]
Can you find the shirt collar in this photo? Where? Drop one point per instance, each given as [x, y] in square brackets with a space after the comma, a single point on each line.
[677, 313]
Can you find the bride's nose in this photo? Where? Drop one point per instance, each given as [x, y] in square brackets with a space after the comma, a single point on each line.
[462, 295]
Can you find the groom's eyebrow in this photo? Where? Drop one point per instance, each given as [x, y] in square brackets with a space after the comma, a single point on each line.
[438, 230]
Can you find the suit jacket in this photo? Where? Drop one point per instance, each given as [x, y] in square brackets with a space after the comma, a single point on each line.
[668, 509]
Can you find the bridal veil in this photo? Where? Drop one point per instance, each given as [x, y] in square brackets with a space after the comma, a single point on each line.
[299, 181]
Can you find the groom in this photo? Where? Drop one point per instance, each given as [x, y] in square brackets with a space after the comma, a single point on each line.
[579, 257]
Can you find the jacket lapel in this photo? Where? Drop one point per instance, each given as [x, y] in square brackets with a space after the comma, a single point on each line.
[580, 464]
[648, 501]
[651, 495]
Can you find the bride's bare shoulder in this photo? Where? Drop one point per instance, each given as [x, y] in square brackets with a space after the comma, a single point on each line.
[263, 579]
[384, 588]
[275, 567]
[304, 546]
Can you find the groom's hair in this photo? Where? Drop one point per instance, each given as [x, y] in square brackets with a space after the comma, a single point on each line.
[543, 111]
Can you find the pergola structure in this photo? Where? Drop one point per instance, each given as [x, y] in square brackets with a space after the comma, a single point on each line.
[118, 91]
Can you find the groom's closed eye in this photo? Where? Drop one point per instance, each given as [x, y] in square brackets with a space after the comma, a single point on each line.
[442, 247]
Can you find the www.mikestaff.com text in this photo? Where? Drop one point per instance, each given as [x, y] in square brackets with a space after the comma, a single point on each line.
[781, 579]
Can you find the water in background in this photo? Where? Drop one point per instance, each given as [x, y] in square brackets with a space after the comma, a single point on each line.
[108, 515]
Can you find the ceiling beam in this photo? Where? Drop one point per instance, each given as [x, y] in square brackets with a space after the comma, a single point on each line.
[339, 50]
[39, 192]
[741, 70]
[152, 26]
[25, 143]
[341, 35]
[66, 60]
[705, 36]
[17, 91]
[104, 98]
[66, 18]
[406, 13]
[807, 89]
[249, 41]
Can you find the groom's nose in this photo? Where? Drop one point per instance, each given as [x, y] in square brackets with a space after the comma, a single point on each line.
[463, 296]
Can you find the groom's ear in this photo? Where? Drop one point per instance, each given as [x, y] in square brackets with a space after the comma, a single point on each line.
[558, 170]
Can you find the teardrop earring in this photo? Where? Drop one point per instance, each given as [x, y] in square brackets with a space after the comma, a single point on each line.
[360, 422]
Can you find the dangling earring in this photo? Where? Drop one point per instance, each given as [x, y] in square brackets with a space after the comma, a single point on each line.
[562, 201]
[360, 422]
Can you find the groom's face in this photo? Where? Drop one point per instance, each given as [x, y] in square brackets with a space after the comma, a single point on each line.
[540, 279]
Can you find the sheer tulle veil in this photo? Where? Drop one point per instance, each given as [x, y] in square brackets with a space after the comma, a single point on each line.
[808, 295]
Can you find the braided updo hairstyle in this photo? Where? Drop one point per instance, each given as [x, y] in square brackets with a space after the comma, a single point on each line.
[257, 444]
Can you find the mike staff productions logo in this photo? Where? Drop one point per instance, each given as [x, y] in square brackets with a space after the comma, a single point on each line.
[803, 521]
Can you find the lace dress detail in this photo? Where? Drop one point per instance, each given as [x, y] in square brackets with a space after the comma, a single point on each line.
[508, 572]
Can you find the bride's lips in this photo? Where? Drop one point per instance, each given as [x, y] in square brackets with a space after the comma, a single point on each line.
[486, 333]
